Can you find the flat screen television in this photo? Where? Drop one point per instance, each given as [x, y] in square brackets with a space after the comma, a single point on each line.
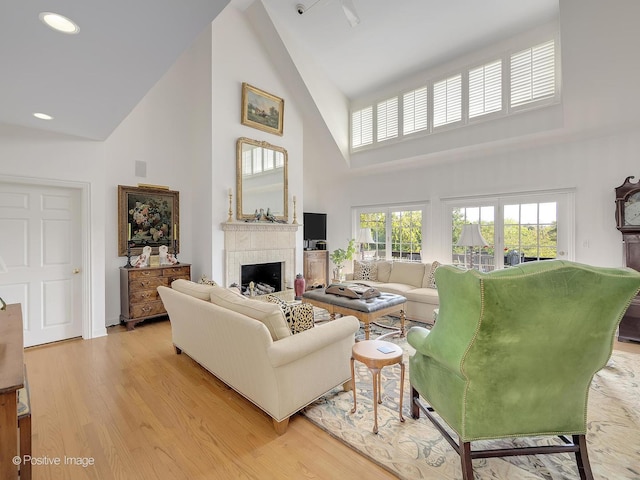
[315, 226]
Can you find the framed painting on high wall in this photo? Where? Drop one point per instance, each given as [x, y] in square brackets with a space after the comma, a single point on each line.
[262, 110]
[148, 216]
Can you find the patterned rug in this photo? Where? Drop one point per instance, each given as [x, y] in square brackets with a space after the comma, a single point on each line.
[415, 450]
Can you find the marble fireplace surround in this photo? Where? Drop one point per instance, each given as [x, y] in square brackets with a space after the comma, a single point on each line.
[248, 243]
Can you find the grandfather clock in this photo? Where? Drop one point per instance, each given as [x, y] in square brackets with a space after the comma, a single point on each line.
[628, 222]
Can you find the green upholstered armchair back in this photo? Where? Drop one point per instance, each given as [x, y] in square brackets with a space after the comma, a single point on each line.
[513, 351]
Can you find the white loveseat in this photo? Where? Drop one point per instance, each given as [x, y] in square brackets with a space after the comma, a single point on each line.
[247, 345]
[411, 280]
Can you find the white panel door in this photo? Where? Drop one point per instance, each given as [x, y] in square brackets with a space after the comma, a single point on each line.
[41, 247]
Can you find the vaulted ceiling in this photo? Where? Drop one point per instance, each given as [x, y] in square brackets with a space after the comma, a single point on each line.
[89, 82]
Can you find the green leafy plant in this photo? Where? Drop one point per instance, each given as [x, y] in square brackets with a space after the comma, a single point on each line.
[340, 256]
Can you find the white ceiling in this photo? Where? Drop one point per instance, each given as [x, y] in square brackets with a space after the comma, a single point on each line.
[91, 81]
[400, 37]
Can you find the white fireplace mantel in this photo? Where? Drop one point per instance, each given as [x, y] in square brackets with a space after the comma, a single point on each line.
[259, 242]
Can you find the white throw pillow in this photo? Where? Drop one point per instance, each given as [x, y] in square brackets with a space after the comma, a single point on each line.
[407, 273]
[384, 271]
[268, 313]
[203, 292]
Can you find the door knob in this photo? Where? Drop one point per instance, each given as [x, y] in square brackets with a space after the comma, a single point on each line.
[561, 254]
[76, 270]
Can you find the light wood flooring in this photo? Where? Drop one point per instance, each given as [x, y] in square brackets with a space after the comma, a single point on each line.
[140, 411]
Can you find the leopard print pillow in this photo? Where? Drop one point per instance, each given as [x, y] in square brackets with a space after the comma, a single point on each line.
[365, 270]
[431, 281]
[299, 317]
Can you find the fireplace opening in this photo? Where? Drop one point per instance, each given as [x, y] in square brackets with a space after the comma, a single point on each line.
[266, 277]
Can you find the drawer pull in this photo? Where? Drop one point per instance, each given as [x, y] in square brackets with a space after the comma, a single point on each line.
[146, 274]
[146, 309]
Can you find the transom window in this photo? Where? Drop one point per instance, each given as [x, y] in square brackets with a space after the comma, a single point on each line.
[462, 97]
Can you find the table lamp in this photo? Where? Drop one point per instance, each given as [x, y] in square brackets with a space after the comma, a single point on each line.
[471, 237]
[364, 237]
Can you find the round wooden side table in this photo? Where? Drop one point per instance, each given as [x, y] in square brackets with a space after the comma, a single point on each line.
[371, 353]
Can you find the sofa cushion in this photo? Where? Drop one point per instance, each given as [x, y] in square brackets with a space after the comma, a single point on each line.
[197, 290]
[408, 273]
[365, 270]
[395, 288]
[299, 317]
[268, 313]
[384, 271]
[429, 280]
[423, 295]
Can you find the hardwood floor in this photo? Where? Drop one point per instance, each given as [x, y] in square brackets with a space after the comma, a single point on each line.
[140, 411]
[136, 410]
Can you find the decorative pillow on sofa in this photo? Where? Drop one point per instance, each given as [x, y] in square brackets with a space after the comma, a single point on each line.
[384, 270]
[365, 270]
[429, 278]
[408, 273]
[299, 317]
[270, 315]
[204, 280]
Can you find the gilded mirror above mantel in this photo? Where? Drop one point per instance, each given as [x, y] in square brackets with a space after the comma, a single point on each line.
[261, 180]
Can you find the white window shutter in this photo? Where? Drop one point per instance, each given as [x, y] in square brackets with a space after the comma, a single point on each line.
[414, 111]
[533, 74]
[447, 101]
[387, 119]
[485, 89]
[362, 127]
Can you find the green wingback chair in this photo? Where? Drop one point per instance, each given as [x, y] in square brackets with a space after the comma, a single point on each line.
[513, 352]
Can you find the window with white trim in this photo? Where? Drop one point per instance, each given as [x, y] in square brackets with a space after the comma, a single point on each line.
[517, 228]
[396, 231]
[533, 74]
[414, 111]
[387, 119]
[485, 89]
[362, 127]
[447, 101]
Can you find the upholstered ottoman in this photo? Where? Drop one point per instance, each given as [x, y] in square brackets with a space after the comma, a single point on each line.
[364, 310]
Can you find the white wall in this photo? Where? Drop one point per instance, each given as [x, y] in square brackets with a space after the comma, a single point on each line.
[170, 131]
[592, 149]
[28, 154]
[239, 56]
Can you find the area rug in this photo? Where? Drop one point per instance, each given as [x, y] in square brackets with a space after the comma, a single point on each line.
[416, 450]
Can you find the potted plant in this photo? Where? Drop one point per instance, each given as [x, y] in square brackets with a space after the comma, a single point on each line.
[340, 256]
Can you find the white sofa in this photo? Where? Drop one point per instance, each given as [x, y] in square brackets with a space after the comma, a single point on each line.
[411, 280]
[247, 344]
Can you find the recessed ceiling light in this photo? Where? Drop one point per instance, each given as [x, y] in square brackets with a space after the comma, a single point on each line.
[43, 116]
[59, 22]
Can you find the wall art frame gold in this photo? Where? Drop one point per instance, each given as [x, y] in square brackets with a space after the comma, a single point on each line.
[262, 110]
[148, 216]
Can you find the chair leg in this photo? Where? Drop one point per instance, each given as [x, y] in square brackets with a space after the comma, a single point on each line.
[415, 410]
[465, 460]
[582, 458]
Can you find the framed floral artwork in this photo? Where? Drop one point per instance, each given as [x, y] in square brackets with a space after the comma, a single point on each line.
[262, 110]
[148, 216]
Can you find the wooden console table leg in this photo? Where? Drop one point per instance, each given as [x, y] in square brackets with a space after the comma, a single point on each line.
[8, 434]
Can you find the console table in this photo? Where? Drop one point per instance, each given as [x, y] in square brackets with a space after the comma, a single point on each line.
[11, 380]
[139, 298]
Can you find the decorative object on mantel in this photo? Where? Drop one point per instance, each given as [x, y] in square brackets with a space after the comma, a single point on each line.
[261, 215]
[129, 245]
[230, 219]
[295, 219]
[147, 216]
[340, 256]
[262, 110]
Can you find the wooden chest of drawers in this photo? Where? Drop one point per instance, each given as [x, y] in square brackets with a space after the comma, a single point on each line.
[139, 297]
